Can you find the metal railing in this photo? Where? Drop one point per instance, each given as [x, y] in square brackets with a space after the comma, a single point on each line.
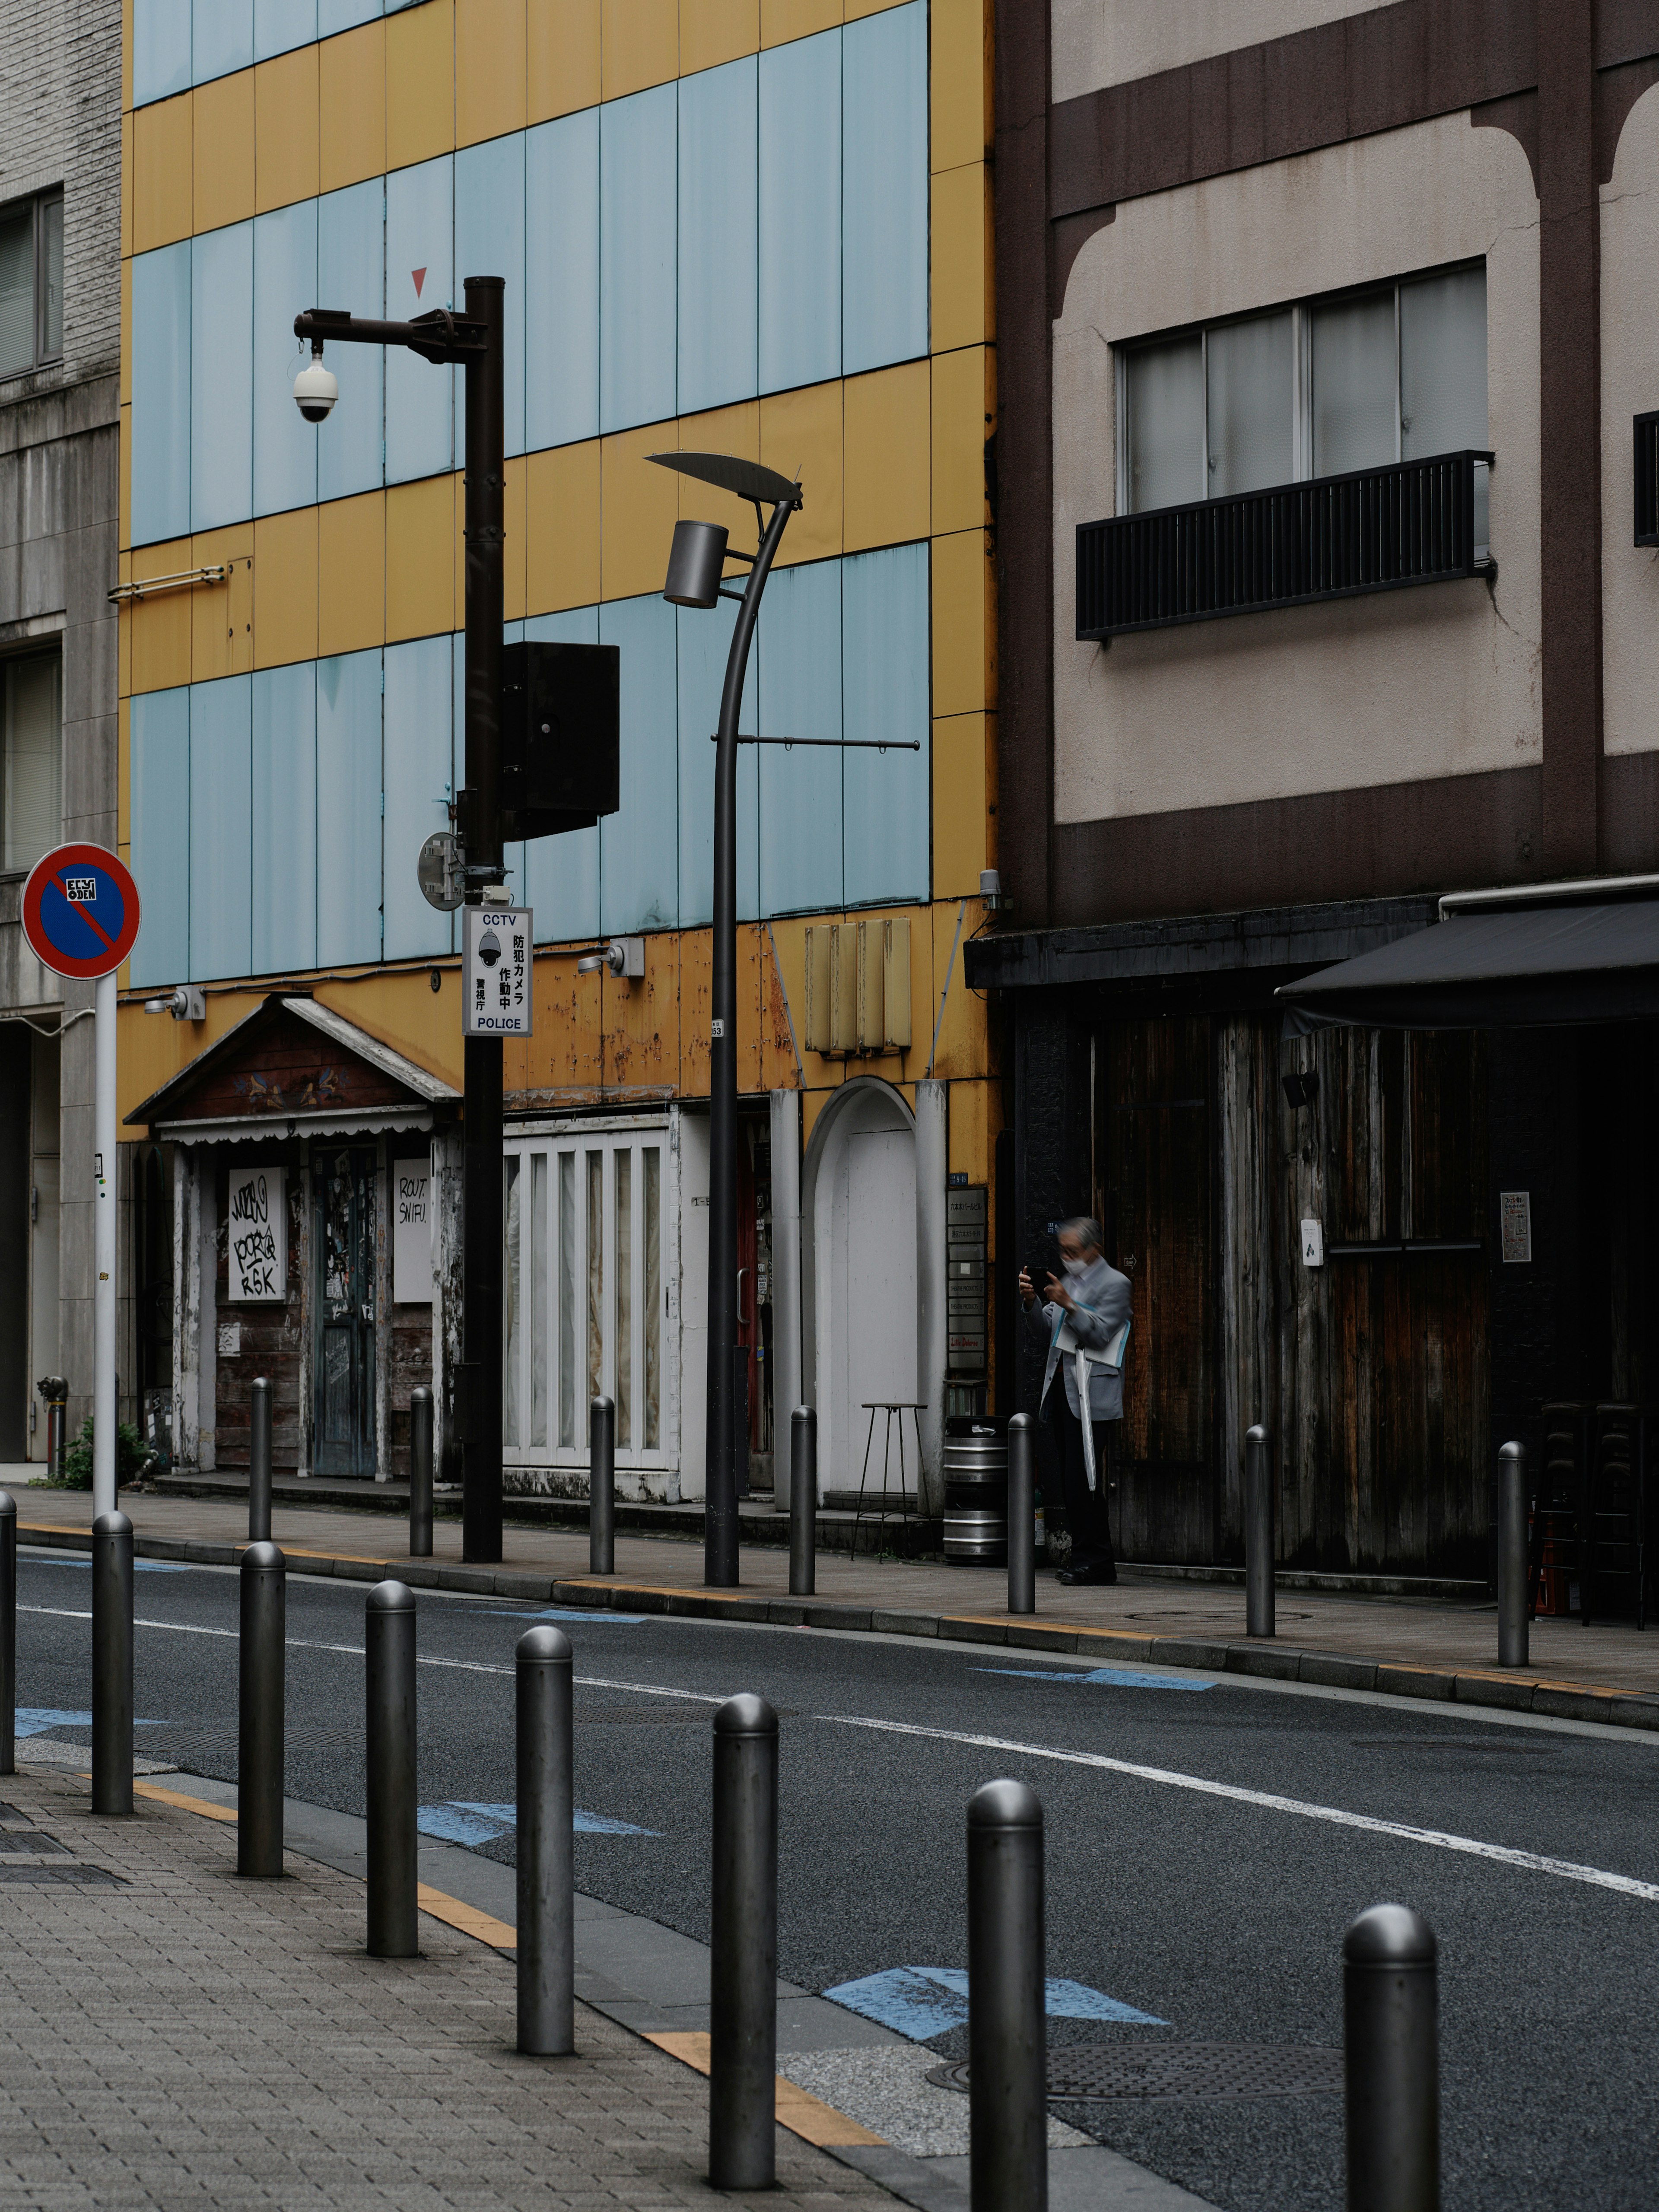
[1377, 530]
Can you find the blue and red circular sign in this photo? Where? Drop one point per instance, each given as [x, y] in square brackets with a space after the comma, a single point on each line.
[80, 911]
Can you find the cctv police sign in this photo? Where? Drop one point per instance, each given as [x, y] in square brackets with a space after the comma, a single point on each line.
[497, 944]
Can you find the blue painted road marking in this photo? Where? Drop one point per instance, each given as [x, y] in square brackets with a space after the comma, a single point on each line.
[141, 1567]
[35, 1720]
[922, 2001]
[463, 1821]
[1113, 1677]
[584, 1613]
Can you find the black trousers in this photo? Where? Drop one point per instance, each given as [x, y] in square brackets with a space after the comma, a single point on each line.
[1086, 1509]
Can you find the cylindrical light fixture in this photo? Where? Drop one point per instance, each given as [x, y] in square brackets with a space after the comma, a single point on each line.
[696, 561]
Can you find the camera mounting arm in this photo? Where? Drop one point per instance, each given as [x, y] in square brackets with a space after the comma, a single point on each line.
[441, 336]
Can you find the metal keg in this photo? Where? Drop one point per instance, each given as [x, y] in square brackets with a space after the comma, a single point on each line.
[975, 1490]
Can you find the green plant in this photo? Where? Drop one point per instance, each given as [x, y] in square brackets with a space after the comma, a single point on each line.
[130, 1454]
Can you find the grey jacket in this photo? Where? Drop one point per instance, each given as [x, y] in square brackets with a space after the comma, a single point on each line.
[1101, 1298]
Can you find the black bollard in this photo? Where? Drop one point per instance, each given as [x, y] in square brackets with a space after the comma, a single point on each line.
[742, 2015]
[7, 1633]
[258, 1464]
[261, 1712]
[547, 1872]
[1022, 1513]
[54, 1389]
[111, 1663]
[1007, 2026]
[1514, 1629]
[803, 1502]
[393, 1847]
[420, 1474]
[601, 1487]
[1391, 2062]
[1258, 1534]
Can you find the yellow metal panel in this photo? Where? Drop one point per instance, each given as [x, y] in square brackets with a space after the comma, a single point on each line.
[222, 615]
[962, 746]
[513, 547]
[854, 8]
[722, 430]
[887, 459]
[286, 121]
[697, 999]
[489, 69]
[959, 83]
[976, 1111]
[961, 275]
[962, 423]
[783, 1006]
[161, 626]
[561, 528]
[126, 186]
[964, 1038]
[637, 1020]
[639, 45]
[640, 506]
[420, 83]
[285, 587]
[964, 672]
[124, 615]
[223, 151]
[161, 182]
[783, 20]
[351, 103]
[896, 983]
[716, 31]
[800, 434]
[752, 943]
[563, 56]
[351, 574]
[420, 558]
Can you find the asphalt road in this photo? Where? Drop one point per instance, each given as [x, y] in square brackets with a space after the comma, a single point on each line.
[1219, 1915]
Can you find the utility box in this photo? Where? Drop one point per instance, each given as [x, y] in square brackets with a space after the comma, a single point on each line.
[560, 736]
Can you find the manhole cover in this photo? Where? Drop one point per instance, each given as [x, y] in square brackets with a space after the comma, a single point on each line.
[1104, 2073]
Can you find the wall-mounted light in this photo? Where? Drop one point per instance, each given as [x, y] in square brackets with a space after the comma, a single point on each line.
[697, 560]
[623, 956]
[186, 1003]
[990, 890]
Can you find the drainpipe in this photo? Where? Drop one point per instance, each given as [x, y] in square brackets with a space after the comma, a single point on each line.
[932, 1295]
[786, 1284]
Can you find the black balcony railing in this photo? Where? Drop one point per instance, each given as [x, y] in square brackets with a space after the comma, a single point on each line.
[1647, 479]
[1414, 522]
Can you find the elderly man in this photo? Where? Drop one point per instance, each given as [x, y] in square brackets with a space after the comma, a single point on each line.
[1084, 1318]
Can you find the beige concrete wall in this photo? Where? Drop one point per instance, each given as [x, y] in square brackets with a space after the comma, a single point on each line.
[1629, 385]
[1438, 680]
[1100, 42]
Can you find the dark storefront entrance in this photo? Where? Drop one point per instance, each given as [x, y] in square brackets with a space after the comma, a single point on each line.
[342, 1184]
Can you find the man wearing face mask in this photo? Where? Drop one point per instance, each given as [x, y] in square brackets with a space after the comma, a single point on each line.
[1084, 1318]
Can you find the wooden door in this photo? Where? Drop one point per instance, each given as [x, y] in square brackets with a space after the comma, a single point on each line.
[342, 1184]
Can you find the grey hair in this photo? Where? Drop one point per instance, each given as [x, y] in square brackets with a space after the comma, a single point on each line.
[1087, 1230]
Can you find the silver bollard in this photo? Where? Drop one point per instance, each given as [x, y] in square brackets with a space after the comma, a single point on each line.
[420, 1474]
[743, 2016]
[547, 1869]
[7, 1633]
[111, 1663]
[393, 1847]
[803, 1502]
[258, 1464]
[1258, 1534]
[261, 1712]
[1391, 2062]
[1007, 2022]
[54, 1389]
[1514, 1633]
[601, 1487]
[1022, 1513]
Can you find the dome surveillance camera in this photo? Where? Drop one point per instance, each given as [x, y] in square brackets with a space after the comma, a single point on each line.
[316, 388]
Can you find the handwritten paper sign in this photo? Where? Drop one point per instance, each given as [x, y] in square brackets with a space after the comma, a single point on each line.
[412, 1232]
[258, 1236]
[1515, 1218]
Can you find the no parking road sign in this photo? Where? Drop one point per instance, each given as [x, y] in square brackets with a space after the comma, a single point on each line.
[80, 911]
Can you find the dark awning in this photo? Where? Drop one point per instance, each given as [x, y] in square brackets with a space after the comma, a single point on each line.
[1497, 963]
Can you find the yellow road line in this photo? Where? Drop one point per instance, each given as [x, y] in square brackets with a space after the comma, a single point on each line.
[467, 1918]
[803, 2114]
[208, 1812]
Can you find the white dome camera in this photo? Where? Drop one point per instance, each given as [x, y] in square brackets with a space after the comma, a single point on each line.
[316, 388]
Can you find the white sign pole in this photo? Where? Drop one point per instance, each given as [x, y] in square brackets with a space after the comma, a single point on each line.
[104, 1245]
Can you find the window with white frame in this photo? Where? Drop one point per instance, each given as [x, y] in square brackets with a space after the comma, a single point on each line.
[1393, 373]
[31, 756]
[589, 1228]
[31, 283]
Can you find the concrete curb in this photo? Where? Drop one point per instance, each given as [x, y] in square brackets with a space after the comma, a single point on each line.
[1271, 1662]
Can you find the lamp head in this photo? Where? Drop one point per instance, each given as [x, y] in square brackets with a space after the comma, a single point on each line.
[696, 561]
[316, 388]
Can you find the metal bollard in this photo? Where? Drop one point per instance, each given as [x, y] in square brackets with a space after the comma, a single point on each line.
[258, 1464]
[1258, 1534]
[420, 1474]
[547, 1871]
[1514, 1632]
[1022, 1513]
[54, 1389]
[393, 1847]
[743, 2016]
[261, 1712]
[601, 1487]
[1007, 2026]
[7, 1633]
[1391, 2062]
[111, 1663]
[803, 1502]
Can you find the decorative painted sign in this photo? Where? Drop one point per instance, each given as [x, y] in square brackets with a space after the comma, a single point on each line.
[80, 911]
[257, 1235]
[495, 959]
[412, 1232]
[1515, 1216]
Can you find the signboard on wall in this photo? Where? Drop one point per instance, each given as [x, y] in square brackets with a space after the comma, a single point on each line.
[495, 958]
[412, 1232]
[1515, 1218]
[257, 1235]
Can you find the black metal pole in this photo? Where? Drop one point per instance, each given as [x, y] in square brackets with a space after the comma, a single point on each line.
[7, 1633]
[546, 1869]
[420, 1472]
[261, 1712]
[601, 1487]
[1513, 1623]
[1391, 2062]
[258, 1464]
[1259, 1589]
[743, 1965]
[111, 1663]
[719, 1570]
[803, 1502]
[1007, 2031]
[1022, 1513]
[393, 1842]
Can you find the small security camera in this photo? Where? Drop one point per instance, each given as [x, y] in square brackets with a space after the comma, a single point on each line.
[316, 388]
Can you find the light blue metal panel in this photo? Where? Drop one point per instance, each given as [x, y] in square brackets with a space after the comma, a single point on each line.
[420, 226]
[351, 275]
[160, 49]
[284, 935]
[220, 827]
[348, 809]
[884, 188]
[222, 37]
[562, 281]
[161, 393]
[279, 26]
[884, 659]
[344, 15]
[561, 874]
[639, 846]
[284, 280]
[221, 377]
[800, 802]
[160, 809]
[717, 216]
[800, 235]
[489, 242]
[705, 639]
[419, 691]
[637, 259]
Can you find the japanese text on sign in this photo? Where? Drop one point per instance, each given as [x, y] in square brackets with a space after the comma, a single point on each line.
[495, 970]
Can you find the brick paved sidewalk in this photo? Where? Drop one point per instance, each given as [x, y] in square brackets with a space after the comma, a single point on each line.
[172, 2036]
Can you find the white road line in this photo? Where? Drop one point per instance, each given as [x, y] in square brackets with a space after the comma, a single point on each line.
[1533, 1862]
